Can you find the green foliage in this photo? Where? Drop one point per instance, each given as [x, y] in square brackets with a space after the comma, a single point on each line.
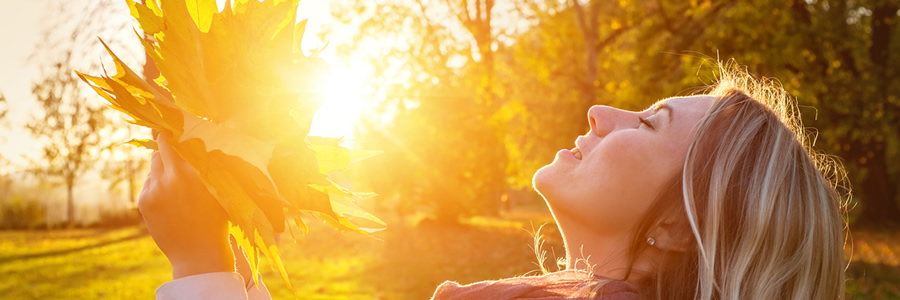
[832, 55]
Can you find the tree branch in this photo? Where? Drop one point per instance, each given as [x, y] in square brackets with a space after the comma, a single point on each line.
[579, 14]
[431, 31]
[662, 12]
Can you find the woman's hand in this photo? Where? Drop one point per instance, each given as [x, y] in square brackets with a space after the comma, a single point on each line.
[184, 219]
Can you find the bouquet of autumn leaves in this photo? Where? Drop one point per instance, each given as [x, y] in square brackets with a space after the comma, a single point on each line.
[238, 98]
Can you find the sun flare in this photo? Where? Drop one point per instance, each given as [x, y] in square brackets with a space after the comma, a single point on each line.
[341, 104]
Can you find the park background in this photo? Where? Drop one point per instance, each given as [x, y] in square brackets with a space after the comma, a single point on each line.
[467, 98]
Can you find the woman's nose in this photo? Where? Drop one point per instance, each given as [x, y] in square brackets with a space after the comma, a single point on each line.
[604, 119]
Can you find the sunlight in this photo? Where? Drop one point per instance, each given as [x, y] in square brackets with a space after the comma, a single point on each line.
[341, 104]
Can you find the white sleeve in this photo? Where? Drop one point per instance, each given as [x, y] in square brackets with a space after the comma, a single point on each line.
[261, 293]
[218, 285]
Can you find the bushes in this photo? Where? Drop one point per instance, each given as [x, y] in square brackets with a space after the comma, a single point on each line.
[16, 213]
[118, 218]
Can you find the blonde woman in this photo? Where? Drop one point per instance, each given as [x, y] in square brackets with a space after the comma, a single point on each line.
[712, 196]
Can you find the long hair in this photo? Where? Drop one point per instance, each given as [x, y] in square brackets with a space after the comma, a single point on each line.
[766, 212]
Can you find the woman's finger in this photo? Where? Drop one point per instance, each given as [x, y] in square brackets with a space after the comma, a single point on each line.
[156, 164]
[147, 197]
[170, 157]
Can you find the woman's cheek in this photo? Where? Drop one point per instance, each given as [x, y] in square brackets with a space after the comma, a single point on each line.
[622, 157]
[631, 167]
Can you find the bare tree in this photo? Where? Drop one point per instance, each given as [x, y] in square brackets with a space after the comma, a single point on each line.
[71, 122]
[4, 180]
[4, 108]
[126, 168]
[70, 128]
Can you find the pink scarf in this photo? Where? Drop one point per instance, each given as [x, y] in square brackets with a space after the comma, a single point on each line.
[568, 284]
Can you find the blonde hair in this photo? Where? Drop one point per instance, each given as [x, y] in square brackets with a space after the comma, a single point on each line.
[764, 209]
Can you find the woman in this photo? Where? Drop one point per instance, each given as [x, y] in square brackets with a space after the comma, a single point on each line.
[714, 196]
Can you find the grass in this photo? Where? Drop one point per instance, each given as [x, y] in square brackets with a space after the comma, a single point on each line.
[404, 263]
[875, 269]
[80, 264]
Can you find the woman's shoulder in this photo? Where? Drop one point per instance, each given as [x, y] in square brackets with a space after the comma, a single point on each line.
[569, 284]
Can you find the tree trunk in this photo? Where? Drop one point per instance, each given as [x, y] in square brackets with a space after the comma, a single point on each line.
[878, 195]
[589, 26]
[70, 205]
[479, 25]
[131, 170]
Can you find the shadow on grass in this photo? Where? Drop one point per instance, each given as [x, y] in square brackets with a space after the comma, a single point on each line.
[119, 264]
[137, 235]
[58, 280]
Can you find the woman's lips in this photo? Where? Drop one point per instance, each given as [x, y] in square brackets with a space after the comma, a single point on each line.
[576, 152]
[578, 142]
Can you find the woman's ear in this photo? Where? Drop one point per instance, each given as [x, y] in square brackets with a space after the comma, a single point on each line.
[672, 235]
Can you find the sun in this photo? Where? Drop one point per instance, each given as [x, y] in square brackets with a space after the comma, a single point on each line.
[342, 104]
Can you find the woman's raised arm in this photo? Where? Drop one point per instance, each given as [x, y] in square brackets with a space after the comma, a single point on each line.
[191, 228]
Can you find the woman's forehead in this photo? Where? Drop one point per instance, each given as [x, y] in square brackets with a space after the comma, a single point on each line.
[688, 104]
[688, 109]
[701, 101]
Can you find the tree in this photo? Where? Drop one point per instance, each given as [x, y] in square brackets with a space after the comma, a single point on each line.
[837, 57]
[834, 56]
[70, 128]
[444, 100]
[871, 152]
[596, 37]
[125, 165]
[4, 108]
[4, 181]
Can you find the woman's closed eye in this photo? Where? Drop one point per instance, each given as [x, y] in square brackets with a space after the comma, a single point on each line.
[645, 122]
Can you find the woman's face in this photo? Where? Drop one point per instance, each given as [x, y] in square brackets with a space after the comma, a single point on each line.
[611, 177]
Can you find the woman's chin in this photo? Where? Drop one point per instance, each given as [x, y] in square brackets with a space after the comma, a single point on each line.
[543, 180]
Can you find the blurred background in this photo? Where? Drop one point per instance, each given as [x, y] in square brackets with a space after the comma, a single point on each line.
[467, 99]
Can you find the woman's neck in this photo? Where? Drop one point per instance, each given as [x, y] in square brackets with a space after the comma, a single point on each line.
[606, 255]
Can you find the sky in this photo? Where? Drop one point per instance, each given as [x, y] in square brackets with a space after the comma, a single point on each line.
[20, 31]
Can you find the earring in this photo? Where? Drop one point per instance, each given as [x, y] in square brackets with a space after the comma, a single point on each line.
[651, 241]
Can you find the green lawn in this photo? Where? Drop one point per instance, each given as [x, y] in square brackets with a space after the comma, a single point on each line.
[406, 263]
